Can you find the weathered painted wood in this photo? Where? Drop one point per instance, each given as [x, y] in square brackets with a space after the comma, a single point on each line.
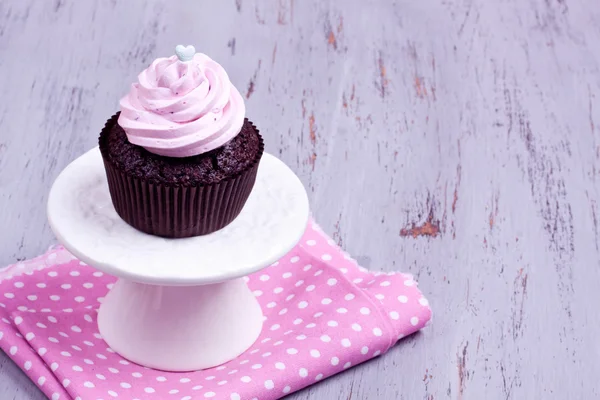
[458, 140]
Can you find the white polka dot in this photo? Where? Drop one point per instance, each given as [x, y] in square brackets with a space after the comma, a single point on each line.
[41, 285]
[294, 259]
[55, 396]
[326, 257]
[27, 365]
[319, 272]
[88, 361]
[13, 350]
[256, 366]
[303, 372]
[346, 342]
[347, 365]
[342, 310]
[332, 281]
[233, 371]
[287, 389]
[22, 308]
[299, 283]
[402, 299]
[88, 285]
[113, 370]
[377, 332]
[318, 314]
[326, 301]
[297, 321]
[19, 284]
[113, 393]
[74, 273]
[310, 288]
[63, 334]
[423, 301]
[385, 283]
[286, 275]
[277, 343]
[54, 297]
[88, 384]
[41, 380]
[9, 295]
[75, 328]
[311, 325]
[80, 299]
[291, 296]
[394, 315]
[88, 318]
[67, 310]
[257, 293]
[186, 398]
[379, 296]
[301, 337]
[280, 366]
[283, 311]
[149, 390]
[269, 384]
[32, 297]
[315, 353]
[125, 385]
[409, 282]
[267, 354]
[378, 352]
[88, 343]
[325, 338]
[18, 320]
[307, 267]
[275, 327]
[318, 377]
[65, 354]
[356, 327]
[414, 321]
[97, 274]
[311, 242]
[29, 336]
[349, 296]
[97, 335]
[209, 394]
[364, 350]
[278, 290]
[335, 361]
[42, 351]
[365, 311]
[221, 383]
[136, 375]
[303, 304]
[77, 368]
[332, 324]
[66, 286]
[235, 396]
[292, 351]
[245, 379]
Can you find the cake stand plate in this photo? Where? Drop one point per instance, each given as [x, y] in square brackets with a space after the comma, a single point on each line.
[180, 304]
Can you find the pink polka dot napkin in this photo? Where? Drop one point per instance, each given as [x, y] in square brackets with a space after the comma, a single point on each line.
[323, 314]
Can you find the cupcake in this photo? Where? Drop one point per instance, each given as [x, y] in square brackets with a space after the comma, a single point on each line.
[180, 157]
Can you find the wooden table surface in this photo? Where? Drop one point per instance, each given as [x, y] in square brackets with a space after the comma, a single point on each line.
[458, 140]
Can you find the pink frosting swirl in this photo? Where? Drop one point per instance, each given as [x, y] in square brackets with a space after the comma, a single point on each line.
[182, 109]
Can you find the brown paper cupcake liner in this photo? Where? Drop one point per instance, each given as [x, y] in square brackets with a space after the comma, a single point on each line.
[177, 211]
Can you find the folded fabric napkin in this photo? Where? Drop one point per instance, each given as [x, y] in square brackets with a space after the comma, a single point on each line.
[323, 314]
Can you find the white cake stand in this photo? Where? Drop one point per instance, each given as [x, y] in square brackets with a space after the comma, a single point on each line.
[180, 304]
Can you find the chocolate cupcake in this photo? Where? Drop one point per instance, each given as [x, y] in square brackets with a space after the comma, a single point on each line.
[181, 158]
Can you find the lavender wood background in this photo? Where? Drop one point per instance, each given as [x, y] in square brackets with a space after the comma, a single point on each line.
[458, 140]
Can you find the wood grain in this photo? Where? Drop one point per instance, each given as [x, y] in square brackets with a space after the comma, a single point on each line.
[458, 140]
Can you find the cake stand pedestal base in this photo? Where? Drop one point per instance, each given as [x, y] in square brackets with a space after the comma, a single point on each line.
[180, 328]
